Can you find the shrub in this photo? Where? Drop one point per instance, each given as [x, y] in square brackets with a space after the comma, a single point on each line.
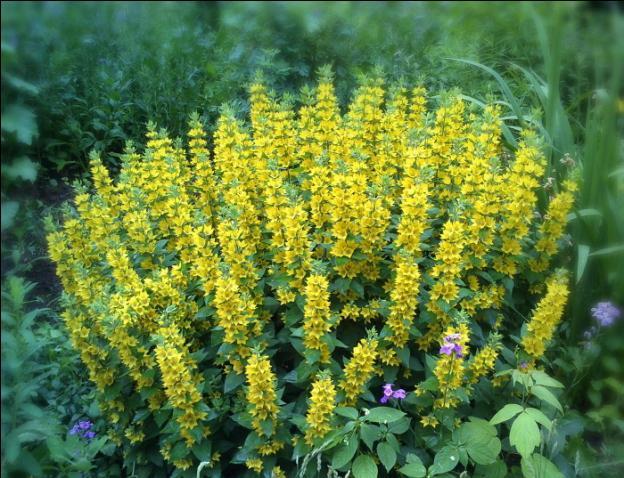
[245, 308]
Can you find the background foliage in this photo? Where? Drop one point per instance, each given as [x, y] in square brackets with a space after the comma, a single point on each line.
[81, 76]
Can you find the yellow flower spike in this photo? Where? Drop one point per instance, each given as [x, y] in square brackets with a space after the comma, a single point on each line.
[261, 394]
[359, 370]
[449, 369]
[546, 316]
[317, 315]
[322, 404]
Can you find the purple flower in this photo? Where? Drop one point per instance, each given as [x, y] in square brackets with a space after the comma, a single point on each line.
[450, 345]
[447, 349]
[387, 390]
[388, 393]
[452, 338]
[83, 429]
[605, 313]
[400, 394]
[85, 425]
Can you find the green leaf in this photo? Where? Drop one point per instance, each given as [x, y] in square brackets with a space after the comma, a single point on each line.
[364, 467]
[345, 453]
[357, 287]
[369, 434]
[507, 412]
[415, 469]
[547, 396]
[480, 440]
[386, 455]
[541, 378]
[495, 470]
[400, 426]
[539, 417]
[21, 168]
[537, 466]
[384, 415]
[445, 460]
[21, 121]
[233, 381]
[347, 412]
[608, 250]
[524, 434]
[179, 451]
[9, 211]
[581, 262]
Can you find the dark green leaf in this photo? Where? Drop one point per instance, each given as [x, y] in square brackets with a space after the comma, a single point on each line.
[445, 460]
[364, 467]
[386, 455]
[348, 412]
[345, 453]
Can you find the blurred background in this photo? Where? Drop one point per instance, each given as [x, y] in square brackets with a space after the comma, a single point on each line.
[83, 76]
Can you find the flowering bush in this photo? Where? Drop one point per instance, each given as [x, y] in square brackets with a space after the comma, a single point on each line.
[249, 308]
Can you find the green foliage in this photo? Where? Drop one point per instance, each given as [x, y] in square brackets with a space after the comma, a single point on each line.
[79, 77]
[42, 393]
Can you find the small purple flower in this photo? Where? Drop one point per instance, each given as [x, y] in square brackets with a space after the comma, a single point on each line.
[388, 393]
[605, 313]
[387, 390]
[450, 345]
[452, 338]
[85, 425]
[447, 349]
[400, 394]
[83, 429]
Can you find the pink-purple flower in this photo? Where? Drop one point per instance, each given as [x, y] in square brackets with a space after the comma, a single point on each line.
[450, 345]
[388, 393]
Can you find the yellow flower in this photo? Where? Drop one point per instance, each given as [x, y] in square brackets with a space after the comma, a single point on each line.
[449, 369]
[546, 316]
[254, 464]
[359, 370]
[261, 394]
[429, 421]
[322, 403]
[317, 315]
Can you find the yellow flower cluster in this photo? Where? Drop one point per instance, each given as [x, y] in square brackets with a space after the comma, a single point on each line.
[181, 386]
[483, 363]
[449, 369]
[322, 403]
[317, 315]
[360, 369]
[553, 226]
[303, 227]
[261, 395]
[546, 316]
